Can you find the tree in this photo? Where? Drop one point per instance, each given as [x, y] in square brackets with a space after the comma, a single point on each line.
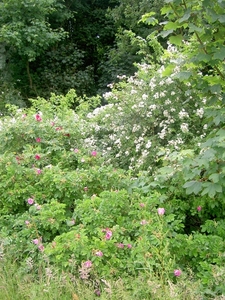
[25, 29]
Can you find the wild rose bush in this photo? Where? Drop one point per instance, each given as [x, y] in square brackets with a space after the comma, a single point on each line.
[63, 202]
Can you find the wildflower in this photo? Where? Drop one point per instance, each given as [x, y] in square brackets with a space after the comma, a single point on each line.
[27, 222]
[30, 201]
[94, 153]
[129, 246]
[36, 241]
[200, 112]
[38, 207]
[97, 293]
[87, 264]
[161, 211]
[142, 205]
[38, 118]
[143, 222]
[148, 145]
[120, 245]
[76, 150]
[177, 272]
[184, 127]
[38, 171]
[85, 188]
[99, 253]
[41, 247]
[38, 140]
[108, 235]
[199, 208]
[82, 160]
[37, 157]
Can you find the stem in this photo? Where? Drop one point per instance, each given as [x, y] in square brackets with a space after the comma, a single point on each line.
[204, 49]
[28, 74]
[171, 5]
[185, 4]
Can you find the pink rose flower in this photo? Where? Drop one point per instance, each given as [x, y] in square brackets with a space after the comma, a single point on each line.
[177, 273]
[94, 153]
[161, 211]
[41, 247]
[36, 241]
[38, 171]
[143, 222]
[108, 235]
[30, 201]
[99, 253]
[38, 118]
[87, 264]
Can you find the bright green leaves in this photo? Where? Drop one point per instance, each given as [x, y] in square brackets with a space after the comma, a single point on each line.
[219, 53]
[149, 19]
[176, 39]
[24, 26]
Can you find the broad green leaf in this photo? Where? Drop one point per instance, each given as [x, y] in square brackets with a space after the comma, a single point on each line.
[211, 189]
[165, 33]
[186, 16]
[171, 25]
[165, 10]
[220, 53]
[194, 28]
[221, 18]
[176, 40]
[214, 177]
[193, 187]
[209, 154]
[168, 70]
[216, 88]
[202, 57]
[185, 75]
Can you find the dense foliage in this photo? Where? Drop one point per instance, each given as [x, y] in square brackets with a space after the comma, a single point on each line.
[134, 187]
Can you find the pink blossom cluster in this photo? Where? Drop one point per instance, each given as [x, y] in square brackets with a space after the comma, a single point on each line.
[161, 211]
[38, 242]
[108, 233]
[38, 117]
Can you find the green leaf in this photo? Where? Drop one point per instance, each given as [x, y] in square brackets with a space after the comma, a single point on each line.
[214, 177]
[220, 53]
[185, 75]
[171, 25]
[165, 33]
[186, 16]
[165, 10]
[193, 28]
[211, 189]
[176, 40]
[216, 88]
[193, 187]
[221, 18]
[168, 70]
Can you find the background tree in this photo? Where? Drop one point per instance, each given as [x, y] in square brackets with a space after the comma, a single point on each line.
[26, 31]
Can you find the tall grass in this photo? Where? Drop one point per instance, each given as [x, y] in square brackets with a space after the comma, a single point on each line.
[47, 283]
